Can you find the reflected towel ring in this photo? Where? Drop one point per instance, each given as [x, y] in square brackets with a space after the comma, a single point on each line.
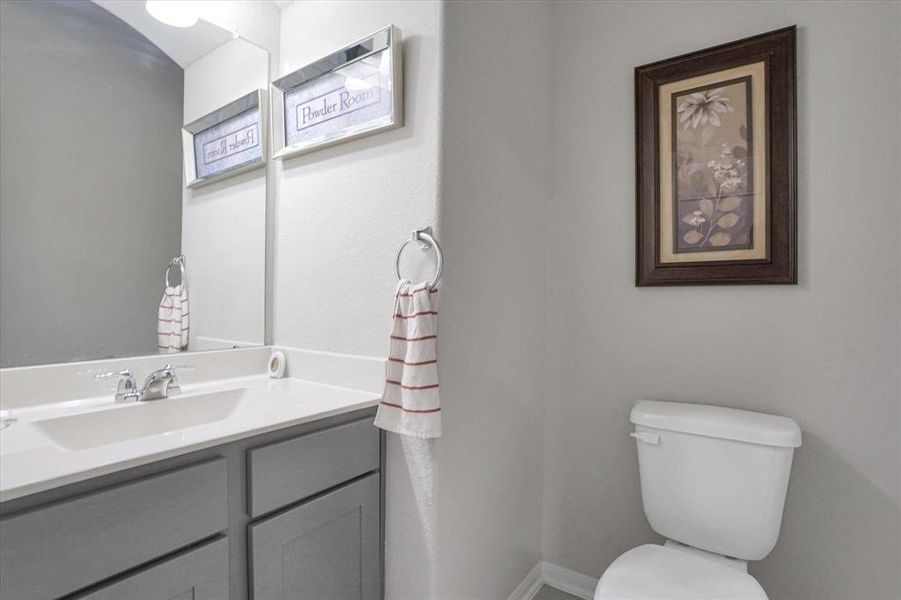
[178, 261]
[423, 235]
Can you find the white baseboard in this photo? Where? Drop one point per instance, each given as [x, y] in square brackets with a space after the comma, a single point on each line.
[571, 582]
[529, 586]
[545, 573]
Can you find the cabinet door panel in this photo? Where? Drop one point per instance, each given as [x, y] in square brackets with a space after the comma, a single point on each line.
[57, 549]
[286, 472]
[325, 548]
[200, 574]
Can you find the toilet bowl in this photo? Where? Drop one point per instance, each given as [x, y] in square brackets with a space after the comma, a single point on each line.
[662, 572]
[713, 483]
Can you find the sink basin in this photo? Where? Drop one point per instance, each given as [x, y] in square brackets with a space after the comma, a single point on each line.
[166, 416]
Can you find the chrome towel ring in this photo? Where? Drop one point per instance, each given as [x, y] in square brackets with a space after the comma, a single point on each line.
[178, 261]
[423, 236]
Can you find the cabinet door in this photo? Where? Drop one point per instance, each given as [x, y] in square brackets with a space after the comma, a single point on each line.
[325, 548]
[291, 470]
[199, 574]
[56, 549]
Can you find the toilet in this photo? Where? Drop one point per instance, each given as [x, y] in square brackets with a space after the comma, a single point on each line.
[713, 483]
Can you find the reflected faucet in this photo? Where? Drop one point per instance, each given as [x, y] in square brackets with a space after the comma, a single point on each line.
[159, 384]
[126, 388]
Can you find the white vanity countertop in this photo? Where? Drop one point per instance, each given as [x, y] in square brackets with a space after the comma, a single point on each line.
[37, 454]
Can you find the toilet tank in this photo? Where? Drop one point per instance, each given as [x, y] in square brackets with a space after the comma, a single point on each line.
[714, 478]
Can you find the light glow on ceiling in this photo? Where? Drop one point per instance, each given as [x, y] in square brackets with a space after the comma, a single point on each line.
[177, 13]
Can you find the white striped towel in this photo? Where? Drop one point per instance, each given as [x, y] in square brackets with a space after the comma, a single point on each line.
[174, 324]
[410, 404]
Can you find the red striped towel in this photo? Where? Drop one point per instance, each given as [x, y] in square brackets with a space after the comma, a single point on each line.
[173, 324]
[410, 404]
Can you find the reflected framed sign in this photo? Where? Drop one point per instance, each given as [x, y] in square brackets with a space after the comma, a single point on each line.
[227, 141]
[354, 92]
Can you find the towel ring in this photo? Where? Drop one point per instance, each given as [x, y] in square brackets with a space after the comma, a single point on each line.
[178, 261]
[423, 235]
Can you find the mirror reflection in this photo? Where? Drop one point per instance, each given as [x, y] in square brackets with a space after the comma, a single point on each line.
[104, 252]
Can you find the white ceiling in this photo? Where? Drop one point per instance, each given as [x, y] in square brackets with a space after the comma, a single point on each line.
[183, 45]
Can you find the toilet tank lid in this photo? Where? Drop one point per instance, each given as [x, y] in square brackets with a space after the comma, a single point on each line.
[718, 422]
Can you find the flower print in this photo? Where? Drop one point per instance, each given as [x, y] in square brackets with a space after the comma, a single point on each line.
[726, 170]
[696, 219]
[730, 184]
[701, 108]
[715, 216]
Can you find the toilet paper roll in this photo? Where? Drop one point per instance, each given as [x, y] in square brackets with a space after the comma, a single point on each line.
[277, 365]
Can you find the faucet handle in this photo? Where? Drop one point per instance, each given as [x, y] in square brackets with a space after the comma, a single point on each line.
[173, 386]
[126, 388]
[123, 373]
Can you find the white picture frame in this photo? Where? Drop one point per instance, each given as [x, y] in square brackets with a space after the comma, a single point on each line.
[230, 140]
[354, 92]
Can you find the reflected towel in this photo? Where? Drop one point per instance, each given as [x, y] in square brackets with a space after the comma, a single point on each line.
[410, 404]
[174, 325]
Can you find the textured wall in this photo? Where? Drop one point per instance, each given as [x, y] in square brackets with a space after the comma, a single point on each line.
[825, 352]
[495, 186]
[463, 512]
[344, 211]
[90, 178]
[341, 214]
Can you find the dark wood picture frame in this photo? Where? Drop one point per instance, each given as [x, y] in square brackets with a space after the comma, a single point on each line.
[776, 50]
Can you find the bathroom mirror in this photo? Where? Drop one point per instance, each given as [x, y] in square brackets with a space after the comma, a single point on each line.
[93, 198]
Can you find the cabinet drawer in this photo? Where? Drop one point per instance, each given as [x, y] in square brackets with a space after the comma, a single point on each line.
[200, 574]
[63, 547]
[325, 548]
[295, 469]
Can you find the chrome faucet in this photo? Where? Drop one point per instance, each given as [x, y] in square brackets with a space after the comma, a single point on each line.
[126, 388]
[158, 384]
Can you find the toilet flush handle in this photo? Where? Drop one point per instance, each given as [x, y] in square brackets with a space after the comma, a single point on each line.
[646, 437]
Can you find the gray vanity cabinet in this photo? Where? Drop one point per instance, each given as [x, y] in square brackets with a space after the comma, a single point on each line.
[325, 548]
[294, 513]
[198, 574]
[61, 547]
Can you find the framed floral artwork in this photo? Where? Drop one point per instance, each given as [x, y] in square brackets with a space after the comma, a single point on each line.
[716, 165]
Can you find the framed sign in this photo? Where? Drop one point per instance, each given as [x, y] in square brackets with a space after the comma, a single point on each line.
[716, 165]
[350, 93]
[227, 141]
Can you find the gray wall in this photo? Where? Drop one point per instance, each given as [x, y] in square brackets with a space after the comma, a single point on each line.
[90, 183]
[824, 352]
[495, 183]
